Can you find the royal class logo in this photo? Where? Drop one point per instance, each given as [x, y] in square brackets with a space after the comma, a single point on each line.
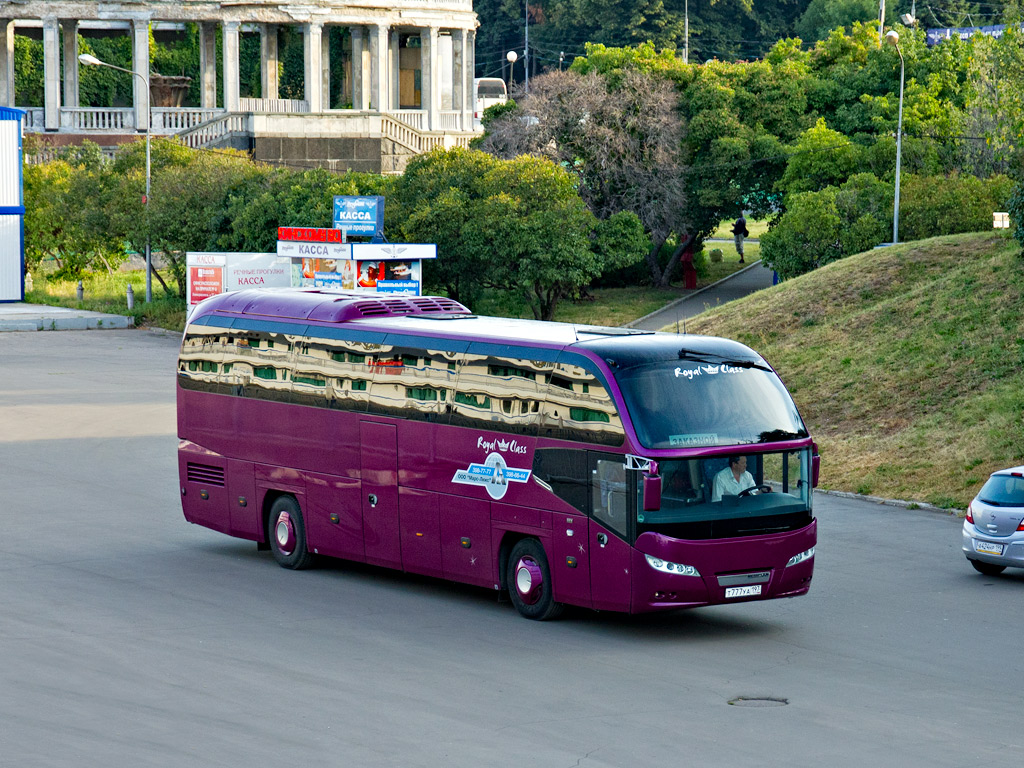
[708, 370]
[505, 446]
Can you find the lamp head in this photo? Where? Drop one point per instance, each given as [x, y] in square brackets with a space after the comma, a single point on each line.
[892, 37]
[511, 56]
[90, 60]
[908, 20]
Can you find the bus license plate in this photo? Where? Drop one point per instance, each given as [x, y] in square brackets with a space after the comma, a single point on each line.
[754, 589]
[988, 547]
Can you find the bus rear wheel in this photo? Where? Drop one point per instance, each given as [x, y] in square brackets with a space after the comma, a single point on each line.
[287, 533]
[529, 581]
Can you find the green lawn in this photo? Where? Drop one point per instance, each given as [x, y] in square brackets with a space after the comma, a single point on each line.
[106, 292]
[755, 228]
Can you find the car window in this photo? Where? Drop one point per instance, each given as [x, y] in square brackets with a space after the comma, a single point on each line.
[1003, 490]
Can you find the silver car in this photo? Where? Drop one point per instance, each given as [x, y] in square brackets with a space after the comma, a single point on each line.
[994, 527]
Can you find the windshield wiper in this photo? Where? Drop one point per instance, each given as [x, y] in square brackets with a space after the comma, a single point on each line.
[779, 435]
[701, 357]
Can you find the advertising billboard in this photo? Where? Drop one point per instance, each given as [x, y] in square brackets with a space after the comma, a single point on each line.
[361, 216]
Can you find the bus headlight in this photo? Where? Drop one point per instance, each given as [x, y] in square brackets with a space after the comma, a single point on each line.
[666, 567]
[801, 557]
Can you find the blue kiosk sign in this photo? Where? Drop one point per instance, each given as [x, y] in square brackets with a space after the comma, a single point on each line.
[360, 216]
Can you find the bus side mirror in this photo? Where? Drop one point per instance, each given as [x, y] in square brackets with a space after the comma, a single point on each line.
[652, 493]
[815, 465]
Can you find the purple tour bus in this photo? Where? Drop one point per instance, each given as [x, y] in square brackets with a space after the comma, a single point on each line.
[609, 468]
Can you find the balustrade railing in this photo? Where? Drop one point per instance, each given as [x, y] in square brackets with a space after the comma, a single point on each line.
[215, 129]
[114, 120]
[274, 106]
[449, 120]
[170, 120]
[416, 118]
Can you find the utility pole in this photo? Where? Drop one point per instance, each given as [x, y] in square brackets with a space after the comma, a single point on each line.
[526, 49]
[881, 22]
[686, 32]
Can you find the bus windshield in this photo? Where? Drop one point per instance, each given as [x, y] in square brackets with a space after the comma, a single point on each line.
[722, 497]
[688, 404]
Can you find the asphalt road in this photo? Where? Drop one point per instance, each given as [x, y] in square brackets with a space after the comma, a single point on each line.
[131, 638]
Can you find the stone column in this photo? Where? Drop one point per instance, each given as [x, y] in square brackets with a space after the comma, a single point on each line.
[208, 65]
[325, 68]
[461, 98]
[379, 67]
[6, 62]
[69, 29]
[140, 65]
[51, 74]
[396, 70]
[445, 70]
[312, 78]
[358, 81]
[428, 76]
[268, 61]
[470, 106]
[232, 96]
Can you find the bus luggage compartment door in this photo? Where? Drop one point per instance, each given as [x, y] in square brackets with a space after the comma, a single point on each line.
[379, 480]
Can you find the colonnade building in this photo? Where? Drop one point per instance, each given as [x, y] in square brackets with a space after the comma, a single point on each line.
[406, 87]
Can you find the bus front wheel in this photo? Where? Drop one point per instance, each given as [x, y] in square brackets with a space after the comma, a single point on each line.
[529, 581]
[287, 533]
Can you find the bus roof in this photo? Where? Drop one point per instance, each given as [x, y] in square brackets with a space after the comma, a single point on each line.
[443, 317]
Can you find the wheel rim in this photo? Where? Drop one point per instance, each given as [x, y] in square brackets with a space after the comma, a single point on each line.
[284, 532]
[529, 581]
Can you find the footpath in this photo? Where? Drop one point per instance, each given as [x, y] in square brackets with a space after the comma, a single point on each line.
[18, 316]
[735, 286]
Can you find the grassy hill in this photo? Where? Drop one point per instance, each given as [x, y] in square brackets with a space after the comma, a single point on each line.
[906, 363]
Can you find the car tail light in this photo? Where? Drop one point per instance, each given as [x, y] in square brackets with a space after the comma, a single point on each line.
[1021, 526]
[970, 515]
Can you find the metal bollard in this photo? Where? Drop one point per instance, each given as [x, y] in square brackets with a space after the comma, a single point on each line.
[131, 297]
[80, 291]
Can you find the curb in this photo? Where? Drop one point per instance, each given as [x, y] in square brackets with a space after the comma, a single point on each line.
[689, 296]
[893, 502]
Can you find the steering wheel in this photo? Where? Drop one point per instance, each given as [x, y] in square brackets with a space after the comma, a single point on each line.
[749, 491]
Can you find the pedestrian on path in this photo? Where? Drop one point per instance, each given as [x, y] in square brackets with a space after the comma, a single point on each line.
[739, 231]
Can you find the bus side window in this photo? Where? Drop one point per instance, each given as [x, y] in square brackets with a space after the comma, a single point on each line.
[564, 470]
[609, 494]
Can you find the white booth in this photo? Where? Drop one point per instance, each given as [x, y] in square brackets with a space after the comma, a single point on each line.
[12, 207]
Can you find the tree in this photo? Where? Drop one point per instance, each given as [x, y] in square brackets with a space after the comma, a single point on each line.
[622, 140]
[822, 16]
[186, 212]
[821, 157]
[65, 214]
[515, 226]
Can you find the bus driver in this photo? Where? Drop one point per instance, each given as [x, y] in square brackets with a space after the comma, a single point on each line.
[732, 480]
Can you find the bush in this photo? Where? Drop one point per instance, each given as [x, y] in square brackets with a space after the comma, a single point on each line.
[941, 205]
[807, 235]
[819, 227]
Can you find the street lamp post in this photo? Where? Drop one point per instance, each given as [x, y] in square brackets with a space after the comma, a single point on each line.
[893, 39]
[89, 60]
[511, 57]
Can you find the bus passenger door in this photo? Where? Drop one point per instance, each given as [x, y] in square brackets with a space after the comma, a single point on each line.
[610, 556]
[379, 480]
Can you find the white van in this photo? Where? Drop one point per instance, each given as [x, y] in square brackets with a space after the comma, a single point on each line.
[487, 91]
